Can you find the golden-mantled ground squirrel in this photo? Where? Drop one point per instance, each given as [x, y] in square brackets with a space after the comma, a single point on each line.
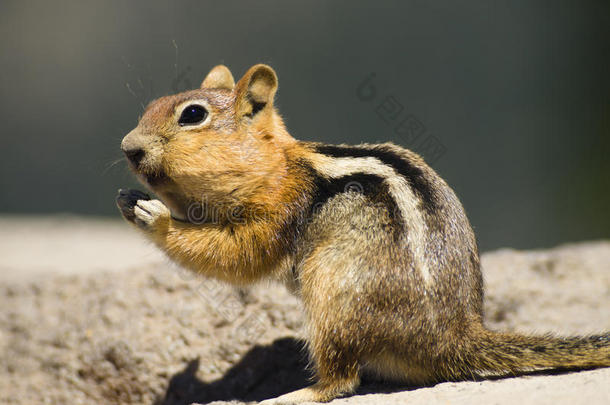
[374, 242]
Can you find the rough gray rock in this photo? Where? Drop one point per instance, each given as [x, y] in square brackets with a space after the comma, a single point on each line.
[91, 314]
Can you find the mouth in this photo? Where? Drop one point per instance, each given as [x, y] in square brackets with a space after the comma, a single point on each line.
[165, 190]
[161, 185]
[155, 179]
[149, 179]
[176, 206]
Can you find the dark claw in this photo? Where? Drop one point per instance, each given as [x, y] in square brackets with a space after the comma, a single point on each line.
[126, 200]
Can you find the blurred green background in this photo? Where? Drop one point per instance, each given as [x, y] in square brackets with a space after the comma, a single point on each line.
[517, 94]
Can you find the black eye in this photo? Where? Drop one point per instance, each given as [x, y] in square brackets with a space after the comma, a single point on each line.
[192, 114]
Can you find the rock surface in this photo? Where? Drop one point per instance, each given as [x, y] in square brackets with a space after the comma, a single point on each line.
[92, 314]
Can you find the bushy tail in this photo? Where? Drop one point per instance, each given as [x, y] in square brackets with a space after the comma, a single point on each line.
[510, 354]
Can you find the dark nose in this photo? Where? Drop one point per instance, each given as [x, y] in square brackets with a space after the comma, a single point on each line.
[134, 155]
[133, 145]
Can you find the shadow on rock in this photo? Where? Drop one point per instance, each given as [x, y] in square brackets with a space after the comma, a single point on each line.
[264, 372]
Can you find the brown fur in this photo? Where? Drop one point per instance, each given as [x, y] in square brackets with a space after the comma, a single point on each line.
[388, 273]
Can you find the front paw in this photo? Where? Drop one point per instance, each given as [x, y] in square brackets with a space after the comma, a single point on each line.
[126, 201]
[151, 215]
[139, 209]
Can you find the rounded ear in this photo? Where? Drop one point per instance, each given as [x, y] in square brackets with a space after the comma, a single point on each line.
[220, 77]
[255, 90]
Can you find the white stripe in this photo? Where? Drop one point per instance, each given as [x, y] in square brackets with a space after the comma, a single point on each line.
[399, 188]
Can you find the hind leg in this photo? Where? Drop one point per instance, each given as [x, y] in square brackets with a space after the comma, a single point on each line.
[336, 369]
[335, 354]
[319, 392]
[341, 317]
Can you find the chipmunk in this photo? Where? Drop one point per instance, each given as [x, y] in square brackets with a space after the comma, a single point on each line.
[372, 240]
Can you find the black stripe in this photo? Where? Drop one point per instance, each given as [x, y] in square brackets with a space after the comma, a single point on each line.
[321, 189]
[413, 174]
[370, 185]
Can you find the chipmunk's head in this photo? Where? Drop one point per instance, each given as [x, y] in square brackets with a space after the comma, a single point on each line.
[220, 144]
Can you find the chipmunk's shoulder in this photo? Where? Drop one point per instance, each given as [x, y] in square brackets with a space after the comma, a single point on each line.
[387, 152]
[384, 160]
